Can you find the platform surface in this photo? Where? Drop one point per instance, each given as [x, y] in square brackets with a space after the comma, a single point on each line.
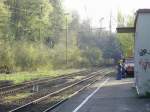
[113, 96]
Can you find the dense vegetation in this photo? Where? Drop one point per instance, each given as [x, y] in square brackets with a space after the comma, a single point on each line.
[126, 39]
[33, 36]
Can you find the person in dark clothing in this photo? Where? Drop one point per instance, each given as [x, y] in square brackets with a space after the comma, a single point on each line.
[119, 71]
[123, 69]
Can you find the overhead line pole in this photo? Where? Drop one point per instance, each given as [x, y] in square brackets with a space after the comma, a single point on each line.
[100, 29]
[66, 40]
[66, 37]
[110, 23]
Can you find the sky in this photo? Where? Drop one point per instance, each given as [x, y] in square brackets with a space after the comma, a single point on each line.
[97, 9]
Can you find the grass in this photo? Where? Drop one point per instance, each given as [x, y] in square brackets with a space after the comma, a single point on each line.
[20, 77]
[17, 97]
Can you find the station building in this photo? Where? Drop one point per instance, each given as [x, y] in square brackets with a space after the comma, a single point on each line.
[141, 30]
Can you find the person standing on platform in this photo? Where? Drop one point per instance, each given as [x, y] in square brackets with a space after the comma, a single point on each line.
[123, 69]
[119, 70]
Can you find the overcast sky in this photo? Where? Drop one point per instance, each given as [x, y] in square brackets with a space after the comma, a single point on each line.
[96, 9]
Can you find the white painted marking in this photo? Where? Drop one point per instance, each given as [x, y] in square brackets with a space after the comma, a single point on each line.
[76, 109]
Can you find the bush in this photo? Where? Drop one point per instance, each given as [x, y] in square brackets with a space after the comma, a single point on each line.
[92, 56]
[6, 56]
[31, 56]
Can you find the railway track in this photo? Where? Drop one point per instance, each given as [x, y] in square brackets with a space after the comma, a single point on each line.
[52, 107]
[36, 81]
[45, 88]
[76, 86]
[5, 91]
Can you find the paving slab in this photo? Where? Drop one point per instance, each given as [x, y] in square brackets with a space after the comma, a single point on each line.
[114, 96]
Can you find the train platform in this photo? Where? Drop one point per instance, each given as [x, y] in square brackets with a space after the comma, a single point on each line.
[107, 95]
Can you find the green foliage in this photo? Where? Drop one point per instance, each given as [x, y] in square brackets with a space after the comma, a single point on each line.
[126, 40]
[28, 17]
[22, 55]
[100, 41]
[127, 44]
[120, 19]
[19, 77]
[33, 37]
[6, 55]
[31, 56]
[112, 49]
[25, 29]
[94, 56]
[4, 19]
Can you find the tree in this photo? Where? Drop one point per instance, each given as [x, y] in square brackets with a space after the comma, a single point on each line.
[4, 20]
[57, 19]
[126, 40]
[37, 29]
[30, 18]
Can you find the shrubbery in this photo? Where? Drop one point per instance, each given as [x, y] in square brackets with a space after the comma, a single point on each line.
[33, 36]
[26, 56]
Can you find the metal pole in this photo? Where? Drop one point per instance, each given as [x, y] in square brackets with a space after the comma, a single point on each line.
[110, 23]
[100, 30]
[41, 9]
[66, 40]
